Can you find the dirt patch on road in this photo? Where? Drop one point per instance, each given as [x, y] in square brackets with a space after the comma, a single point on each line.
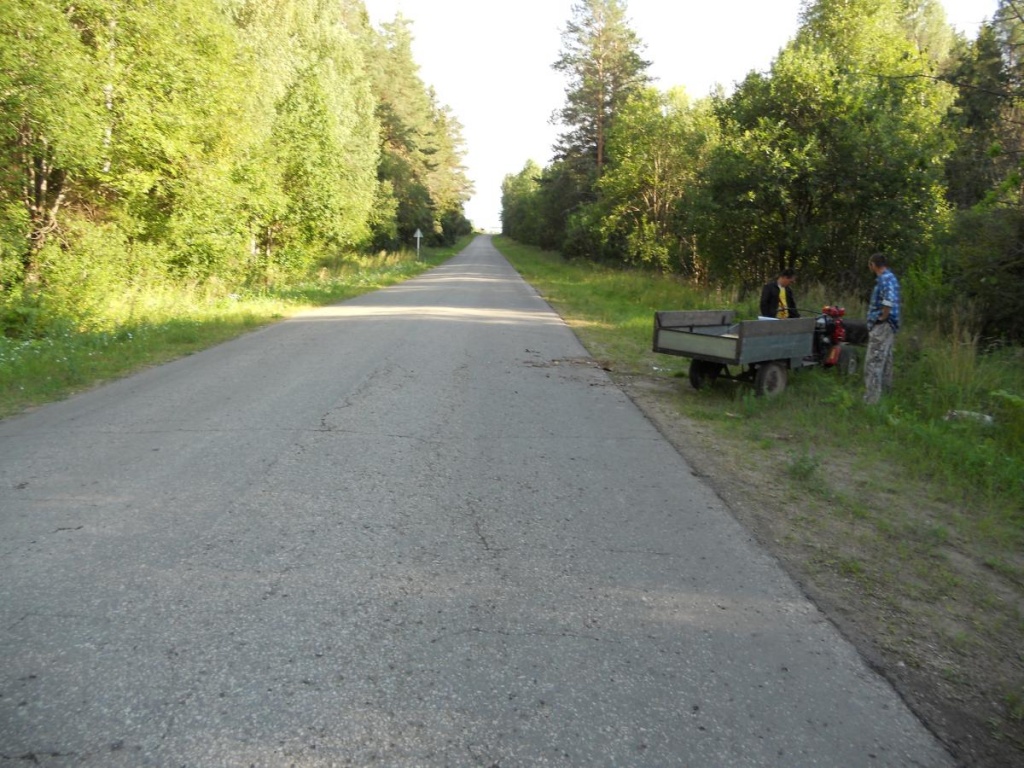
[927, 612]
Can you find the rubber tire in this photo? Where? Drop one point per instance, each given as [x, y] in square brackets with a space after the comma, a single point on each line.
[770, 379]
[703, 373]
[848, 362]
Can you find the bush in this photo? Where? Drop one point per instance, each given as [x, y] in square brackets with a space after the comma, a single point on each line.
[82, 270]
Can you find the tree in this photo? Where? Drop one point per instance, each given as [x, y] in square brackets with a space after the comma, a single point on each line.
[519, 201]
[177, 107]
[658, 144]
[52, 132]
[977, 163]
[329, 155]
[422, 146]
[836, 154]
[927, 27]
[986, 178]
[446, 175]
[311, 172]
[601, 59]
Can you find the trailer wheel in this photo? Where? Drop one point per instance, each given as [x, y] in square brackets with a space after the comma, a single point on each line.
[703, 373]
[770, 379]
[848, 362]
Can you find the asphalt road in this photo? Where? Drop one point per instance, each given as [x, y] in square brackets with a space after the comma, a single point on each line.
[417, 528]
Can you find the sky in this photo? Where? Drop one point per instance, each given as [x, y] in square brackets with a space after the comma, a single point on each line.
[490, 62]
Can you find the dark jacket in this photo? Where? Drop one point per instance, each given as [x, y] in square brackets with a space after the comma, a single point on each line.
[770, 300]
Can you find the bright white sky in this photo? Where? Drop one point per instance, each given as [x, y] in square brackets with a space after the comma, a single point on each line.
[490, 62]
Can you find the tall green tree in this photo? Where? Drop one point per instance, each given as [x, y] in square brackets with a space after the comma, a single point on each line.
[519, 201]
[986, 174]
[977, 163]
[51, 135]
[659, 144]
[449, 186]
[327, 135]
[177, 104]
[601, 60]
[310, 172]
[421, 143]
[927, 27]
[835, 154]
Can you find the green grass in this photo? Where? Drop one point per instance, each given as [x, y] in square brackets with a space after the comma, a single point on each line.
[154, 326]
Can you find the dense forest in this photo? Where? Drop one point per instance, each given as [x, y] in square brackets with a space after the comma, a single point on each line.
[228, 142]
[877, 128]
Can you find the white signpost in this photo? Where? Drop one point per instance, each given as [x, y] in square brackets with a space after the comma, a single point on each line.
[418, 235]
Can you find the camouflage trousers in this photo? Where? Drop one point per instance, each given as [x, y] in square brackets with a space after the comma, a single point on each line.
[878, 363]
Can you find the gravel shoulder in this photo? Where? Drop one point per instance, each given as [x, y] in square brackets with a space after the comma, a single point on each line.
[942, 627]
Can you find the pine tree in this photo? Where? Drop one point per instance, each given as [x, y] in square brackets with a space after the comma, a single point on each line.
[601, 59]
[602, 62]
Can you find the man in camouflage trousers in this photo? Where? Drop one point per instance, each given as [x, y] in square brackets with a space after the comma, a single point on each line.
[883, 324]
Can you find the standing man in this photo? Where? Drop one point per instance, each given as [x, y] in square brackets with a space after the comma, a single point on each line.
[883, 323]
[777, 297]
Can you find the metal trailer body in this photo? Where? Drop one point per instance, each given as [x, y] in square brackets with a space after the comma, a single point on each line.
[714, 341]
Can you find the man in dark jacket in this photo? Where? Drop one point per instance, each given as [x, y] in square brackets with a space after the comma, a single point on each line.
[777, 297]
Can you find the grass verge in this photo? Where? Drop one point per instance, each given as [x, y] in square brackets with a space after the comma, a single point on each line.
[907, 527]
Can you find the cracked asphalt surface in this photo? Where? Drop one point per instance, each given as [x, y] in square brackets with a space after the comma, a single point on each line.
[421, 527]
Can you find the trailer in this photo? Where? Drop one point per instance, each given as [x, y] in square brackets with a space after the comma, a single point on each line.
[764, 350]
